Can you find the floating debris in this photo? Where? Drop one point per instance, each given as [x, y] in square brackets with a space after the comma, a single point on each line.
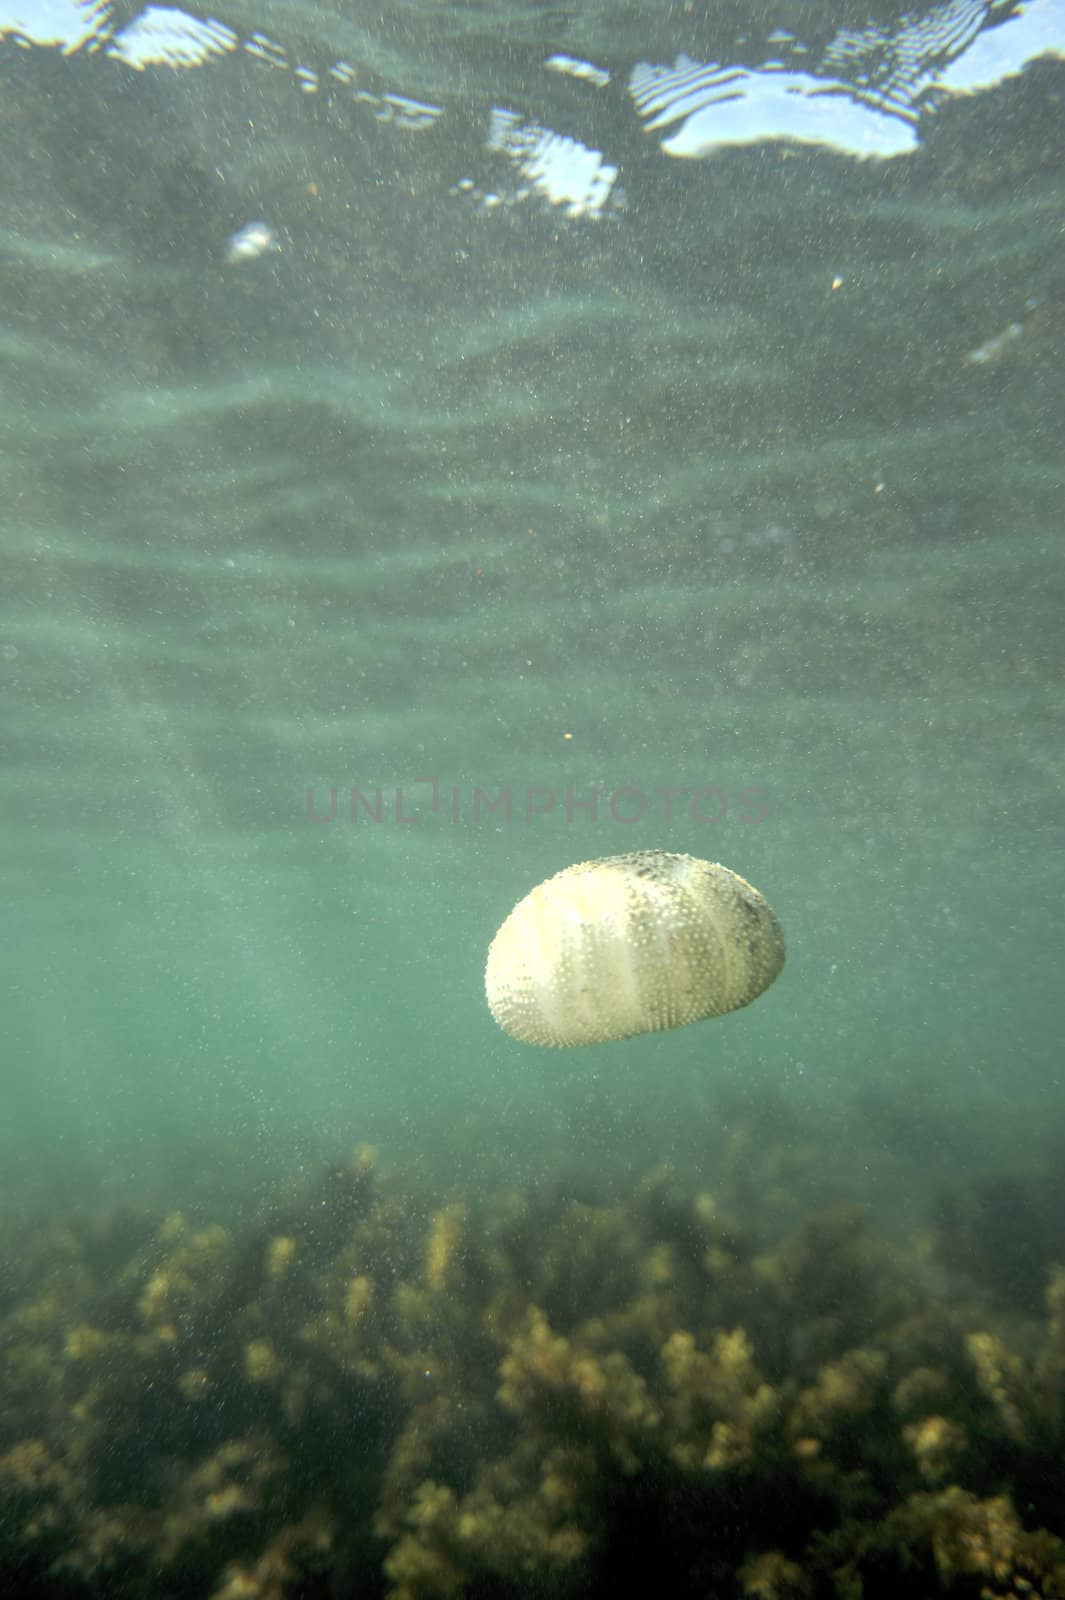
[572, 67]
[991, 349]
[248, 243]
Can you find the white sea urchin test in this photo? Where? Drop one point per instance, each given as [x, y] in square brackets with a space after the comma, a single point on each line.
[630, 944]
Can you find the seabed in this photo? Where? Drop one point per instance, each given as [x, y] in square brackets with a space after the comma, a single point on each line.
[360, 1394]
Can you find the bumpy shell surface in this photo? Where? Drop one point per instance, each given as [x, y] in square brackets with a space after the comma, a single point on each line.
[630, 944]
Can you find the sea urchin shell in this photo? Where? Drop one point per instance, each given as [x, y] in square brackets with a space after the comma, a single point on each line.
[630, 944]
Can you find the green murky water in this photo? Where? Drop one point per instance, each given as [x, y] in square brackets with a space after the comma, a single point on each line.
[725, 519]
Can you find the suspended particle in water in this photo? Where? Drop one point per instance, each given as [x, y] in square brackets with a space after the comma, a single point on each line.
[248, 243]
